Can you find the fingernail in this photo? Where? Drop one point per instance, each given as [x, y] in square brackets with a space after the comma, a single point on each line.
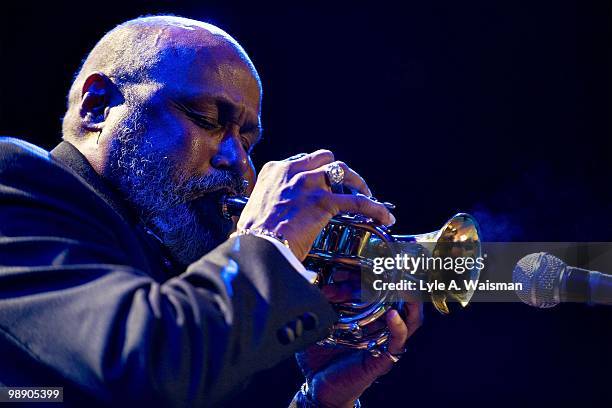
[392, 220]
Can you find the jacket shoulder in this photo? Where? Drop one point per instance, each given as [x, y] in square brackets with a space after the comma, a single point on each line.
[13, 150]
[29, 168]
[42, 197]
[30, 178]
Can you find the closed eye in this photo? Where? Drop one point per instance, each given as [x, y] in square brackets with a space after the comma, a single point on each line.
[200, 120]
[250, 134]
[253, 135]
[204, 122]
[246, 144]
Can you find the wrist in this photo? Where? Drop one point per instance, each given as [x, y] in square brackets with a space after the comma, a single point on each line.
[262, 231]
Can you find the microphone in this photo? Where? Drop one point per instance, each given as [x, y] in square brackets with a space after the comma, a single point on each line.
[546, 281]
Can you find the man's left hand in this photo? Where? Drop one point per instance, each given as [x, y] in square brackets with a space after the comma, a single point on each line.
[337, 376]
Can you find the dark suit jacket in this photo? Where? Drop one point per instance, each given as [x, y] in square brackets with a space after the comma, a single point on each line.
[88, 301]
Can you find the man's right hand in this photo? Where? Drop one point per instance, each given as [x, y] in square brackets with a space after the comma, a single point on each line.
[293, 198]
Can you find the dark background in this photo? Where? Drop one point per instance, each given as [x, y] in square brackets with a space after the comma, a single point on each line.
[501, 109]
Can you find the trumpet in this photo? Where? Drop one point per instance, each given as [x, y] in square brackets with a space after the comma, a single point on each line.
[352, 242]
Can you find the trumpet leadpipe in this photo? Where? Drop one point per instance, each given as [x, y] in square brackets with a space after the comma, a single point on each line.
[233, 205]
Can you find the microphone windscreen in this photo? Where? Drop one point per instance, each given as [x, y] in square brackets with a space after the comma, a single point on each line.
[539, 275]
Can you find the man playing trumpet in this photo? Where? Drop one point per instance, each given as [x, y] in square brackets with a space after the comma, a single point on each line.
[117, 279]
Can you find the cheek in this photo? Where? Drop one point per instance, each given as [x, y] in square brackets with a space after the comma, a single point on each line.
[181, 140]
[199, 150]
[167, 133]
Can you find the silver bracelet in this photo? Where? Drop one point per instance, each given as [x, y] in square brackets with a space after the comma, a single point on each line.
[261, 231]
[308, 402]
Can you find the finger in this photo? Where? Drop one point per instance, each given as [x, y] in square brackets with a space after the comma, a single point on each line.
[309, 161]
[398, 335]
[295, 157]
[361, 204]
[398, 331]
[351, 179]
[414, 316]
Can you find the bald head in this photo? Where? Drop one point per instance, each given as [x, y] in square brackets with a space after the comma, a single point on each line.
[167, 110]
[152, 51]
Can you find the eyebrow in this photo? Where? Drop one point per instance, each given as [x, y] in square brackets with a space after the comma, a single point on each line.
[188, 106]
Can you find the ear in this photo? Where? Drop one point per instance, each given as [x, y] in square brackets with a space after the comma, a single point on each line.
[95, 101]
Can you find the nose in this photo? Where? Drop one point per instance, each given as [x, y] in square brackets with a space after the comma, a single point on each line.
[231, 155]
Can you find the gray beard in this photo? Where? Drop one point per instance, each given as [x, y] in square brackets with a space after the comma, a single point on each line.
[165, 199]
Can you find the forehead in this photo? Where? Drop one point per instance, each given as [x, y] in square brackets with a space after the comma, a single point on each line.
[205, 68]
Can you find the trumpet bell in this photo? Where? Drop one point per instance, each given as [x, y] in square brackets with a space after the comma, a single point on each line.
[458, 238]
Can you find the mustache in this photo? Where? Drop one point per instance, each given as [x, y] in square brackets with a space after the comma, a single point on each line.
[196, 187]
